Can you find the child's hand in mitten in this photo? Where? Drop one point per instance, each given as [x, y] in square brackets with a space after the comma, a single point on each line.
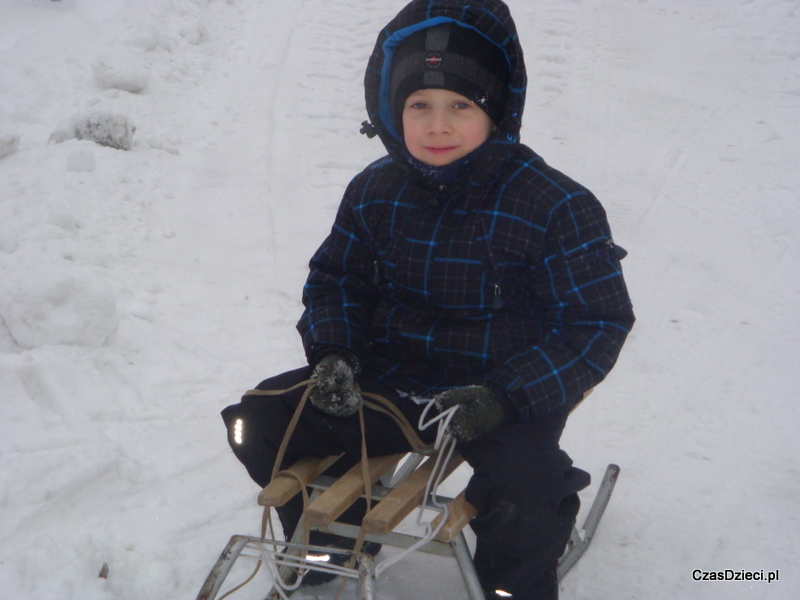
[479, 411]
[334, 392]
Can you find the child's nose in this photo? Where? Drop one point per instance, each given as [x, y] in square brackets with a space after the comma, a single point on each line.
[439, 122]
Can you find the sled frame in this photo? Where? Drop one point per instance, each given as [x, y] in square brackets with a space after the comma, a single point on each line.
[330, 494]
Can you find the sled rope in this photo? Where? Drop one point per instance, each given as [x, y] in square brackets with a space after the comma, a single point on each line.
[266, 519]
[445, 445]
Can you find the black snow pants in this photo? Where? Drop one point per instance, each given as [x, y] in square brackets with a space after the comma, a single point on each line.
[523, 485]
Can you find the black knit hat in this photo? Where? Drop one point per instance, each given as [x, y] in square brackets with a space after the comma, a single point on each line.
[454, 58]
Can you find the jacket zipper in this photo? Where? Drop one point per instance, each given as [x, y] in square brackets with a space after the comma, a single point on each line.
[497, 302]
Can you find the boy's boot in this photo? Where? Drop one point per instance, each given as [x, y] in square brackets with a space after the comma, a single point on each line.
[313, 578]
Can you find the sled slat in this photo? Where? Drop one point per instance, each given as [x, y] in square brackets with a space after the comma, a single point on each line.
[284, 487]
[404, 498]
[460, 512]
[346, 490]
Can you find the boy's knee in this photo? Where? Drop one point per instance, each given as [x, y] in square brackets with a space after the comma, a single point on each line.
[527, 472]
[527, 506]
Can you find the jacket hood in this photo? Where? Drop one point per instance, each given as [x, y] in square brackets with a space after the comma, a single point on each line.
[490, 18]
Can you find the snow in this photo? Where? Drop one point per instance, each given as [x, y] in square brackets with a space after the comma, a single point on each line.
[143, 290]
[106, 129]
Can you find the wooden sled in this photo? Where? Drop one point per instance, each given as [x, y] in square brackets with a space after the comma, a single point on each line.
[400, 491]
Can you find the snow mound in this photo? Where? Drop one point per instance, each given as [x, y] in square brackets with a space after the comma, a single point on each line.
[107, 129]
[122, 72]
[8, 143]
[49, 305]
[81, 161]
[195, 33]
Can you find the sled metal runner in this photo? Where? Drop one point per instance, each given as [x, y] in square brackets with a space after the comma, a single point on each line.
[454, 545]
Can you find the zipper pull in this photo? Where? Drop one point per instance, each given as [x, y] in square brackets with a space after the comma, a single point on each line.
[376, 276]
[497, 302]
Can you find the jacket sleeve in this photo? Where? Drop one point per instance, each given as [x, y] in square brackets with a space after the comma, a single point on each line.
[339, 293]
[577, 290]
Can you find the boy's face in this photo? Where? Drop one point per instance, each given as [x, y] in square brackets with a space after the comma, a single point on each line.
[440, 126]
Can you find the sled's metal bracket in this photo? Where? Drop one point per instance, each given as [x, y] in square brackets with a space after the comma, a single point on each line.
[252, 547]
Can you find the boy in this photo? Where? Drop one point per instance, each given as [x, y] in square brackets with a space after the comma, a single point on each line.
[461, 269]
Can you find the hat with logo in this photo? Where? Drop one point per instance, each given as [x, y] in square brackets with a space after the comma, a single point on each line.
[450, 57]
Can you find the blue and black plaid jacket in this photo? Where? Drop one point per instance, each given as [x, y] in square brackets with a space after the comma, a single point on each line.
[508, 277]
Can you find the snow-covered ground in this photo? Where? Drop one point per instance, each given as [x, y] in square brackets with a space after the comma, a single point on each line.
[141, 291]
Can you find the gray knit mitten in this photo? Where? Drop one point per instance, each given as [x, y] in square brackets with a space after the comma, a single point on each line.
[334, 392]
[480, 411]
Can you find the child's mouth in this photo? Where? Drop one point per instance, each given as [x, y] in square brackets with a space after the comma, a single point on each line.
[441, 150]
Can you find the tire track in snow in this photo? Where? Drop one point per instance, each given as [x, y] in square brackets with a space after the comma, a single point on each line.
[318, 107]
[267, 40]
[571, 58]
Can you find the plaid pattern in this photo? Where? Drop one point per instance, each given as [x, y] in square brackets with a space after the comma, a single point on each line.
[508, 277]
[518, 285]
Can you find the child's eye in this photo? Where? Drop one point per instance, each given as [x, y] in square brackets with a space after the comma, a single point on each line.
[418, 105]
[462, 105]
